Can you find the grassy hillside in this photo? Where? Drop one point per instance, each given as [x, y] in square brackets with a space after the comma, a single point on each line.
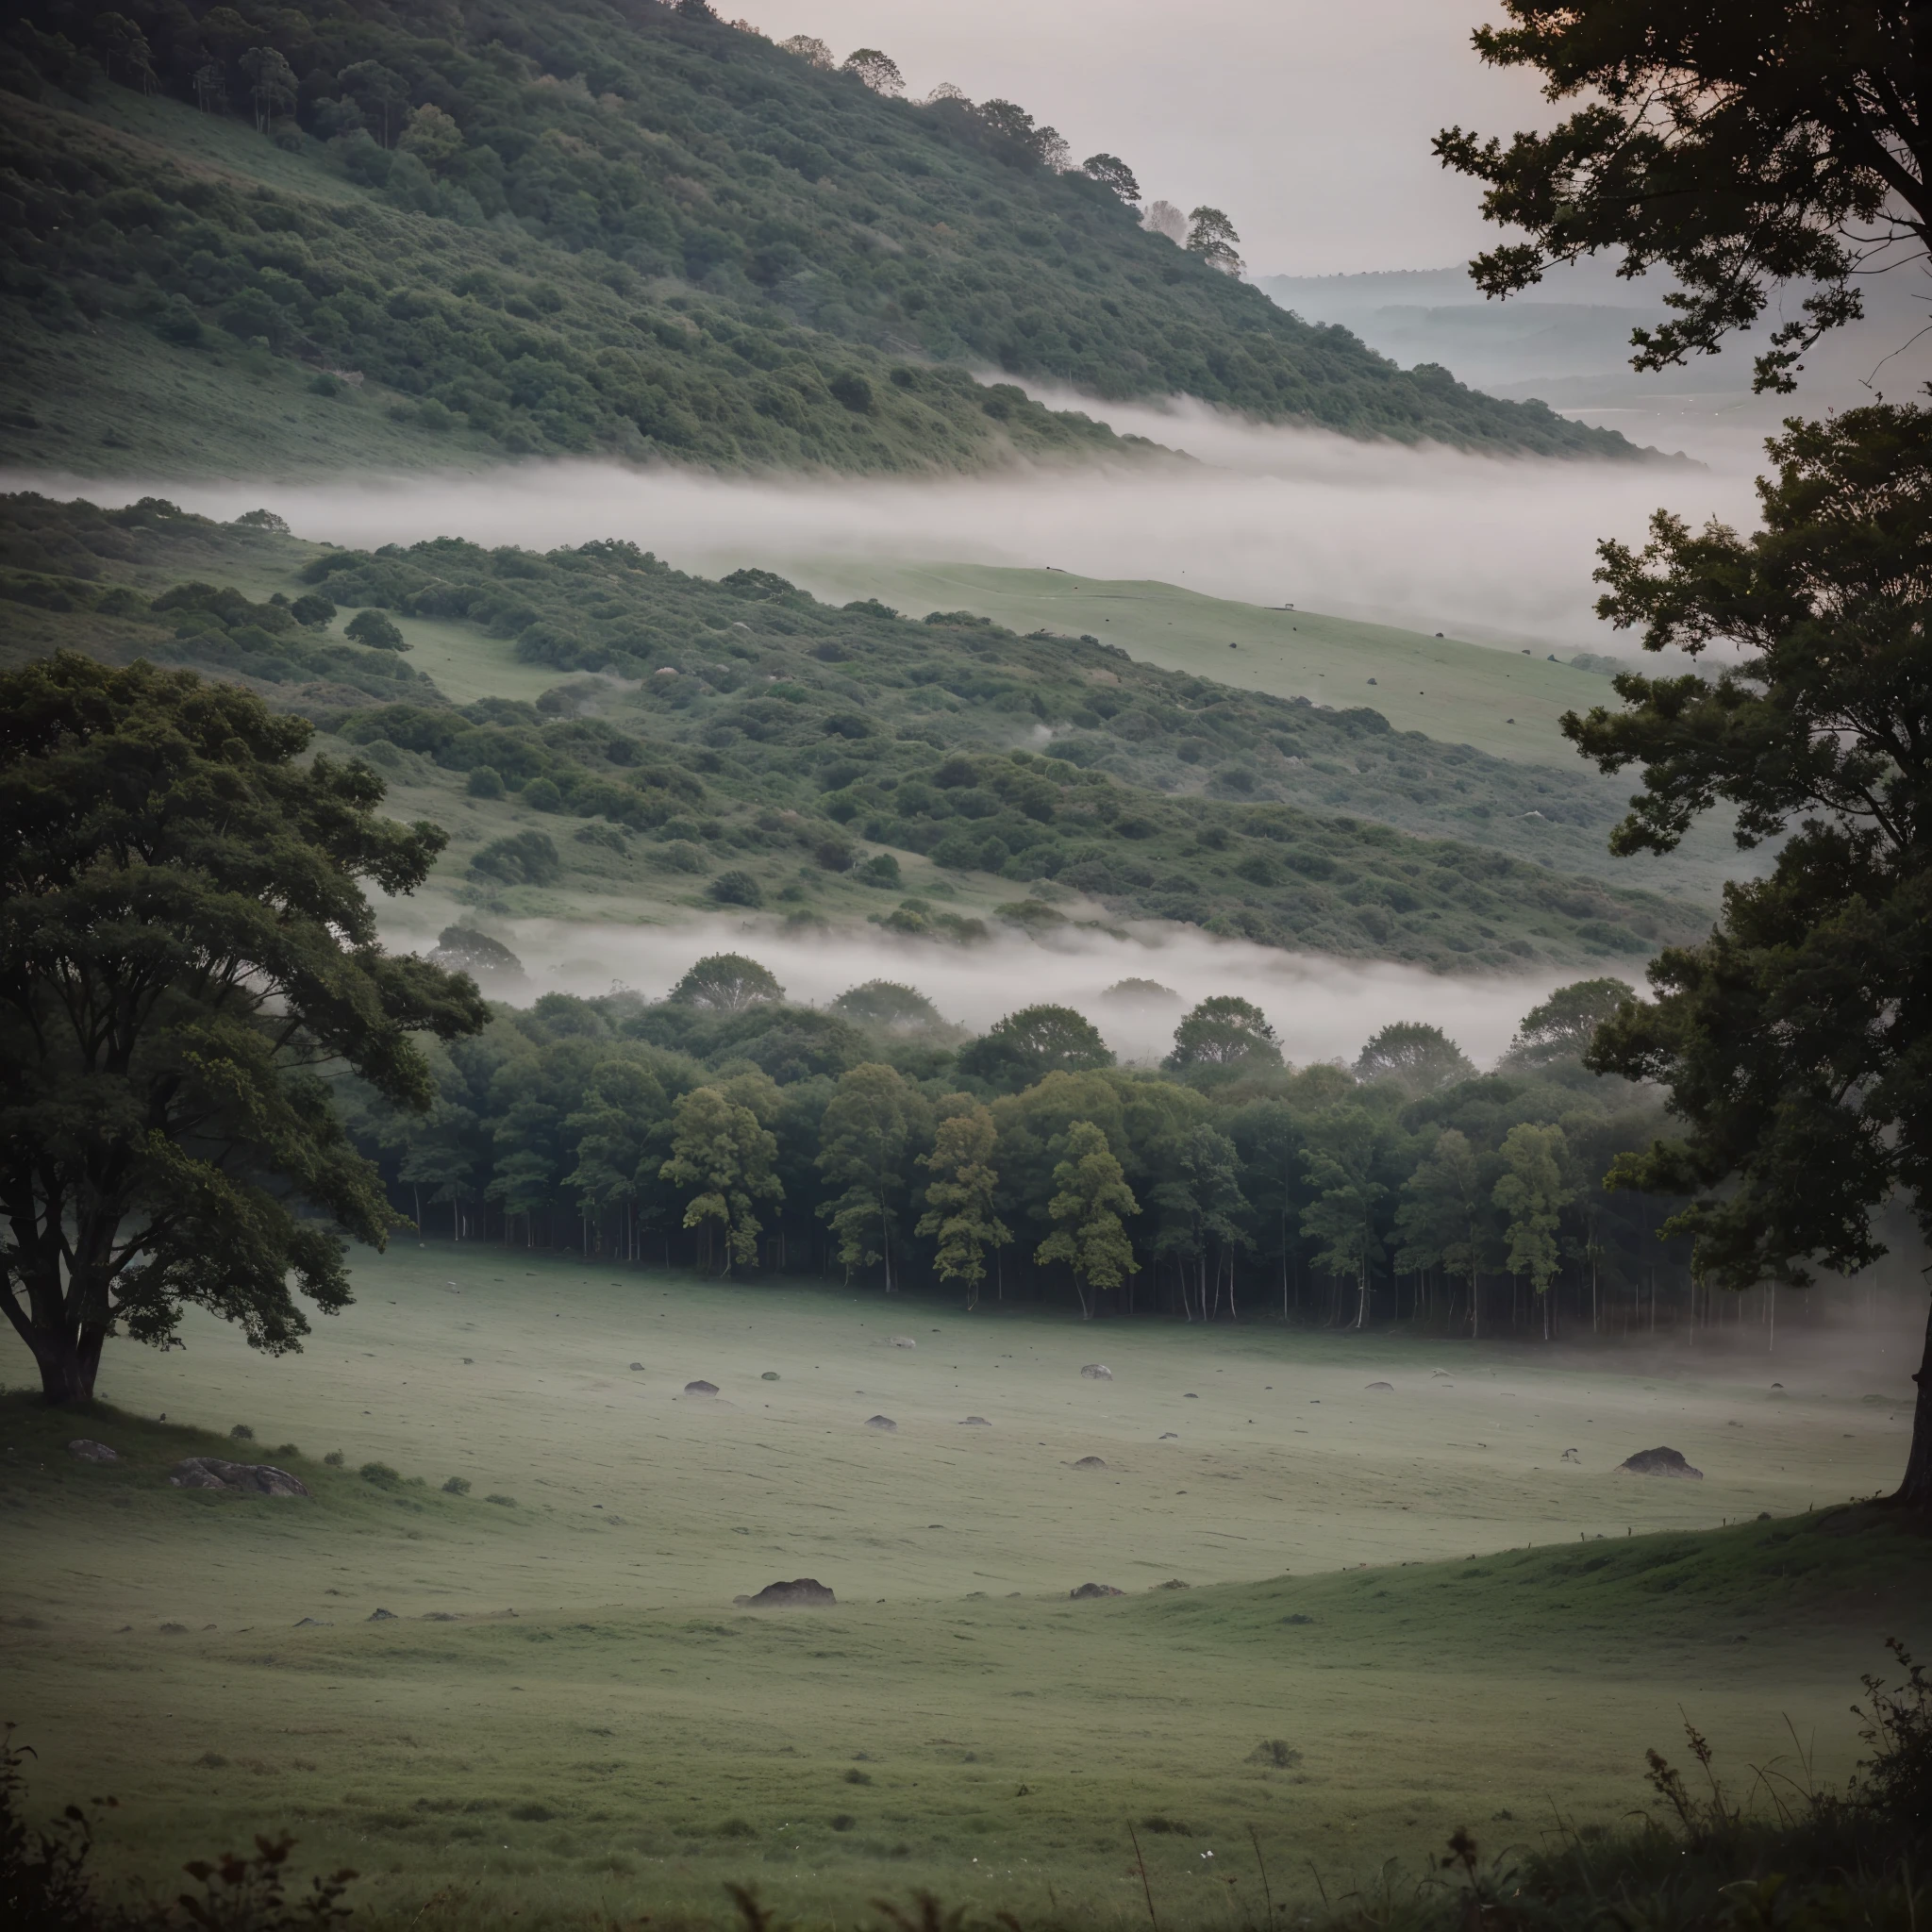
[563, 1715]
[617, 227]
[738, 742]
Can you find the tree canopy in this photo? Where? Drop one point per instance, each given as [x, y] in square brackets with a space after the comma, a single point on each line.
[184, 947]
[1740, 147]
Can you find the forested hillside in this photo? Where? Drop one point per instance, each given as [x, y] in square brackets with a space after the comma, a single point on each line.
[618, 227]
[740, 744]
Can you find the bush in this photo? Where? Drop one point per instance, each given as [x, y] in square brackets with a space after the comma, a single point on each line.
[737, 889]
[457, 1486]
[313, 612]
[486, 781]
[334, 1459]
[371, 627]
[241, 1433]
[523, 859]
[381, 1474]
[881, 869]
[508, 1502]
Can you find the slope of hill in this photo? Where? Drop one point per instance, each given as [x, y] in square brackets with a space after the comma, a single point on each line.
[617, 226]
[738, 744]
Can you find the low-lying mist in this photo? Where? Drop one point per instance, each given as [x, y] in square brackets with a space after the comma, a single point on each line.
[1434, 538]
[1322, 1009]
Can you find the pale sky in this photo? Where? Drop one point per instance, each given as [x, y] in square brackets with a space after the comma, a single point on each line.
[1308, 123]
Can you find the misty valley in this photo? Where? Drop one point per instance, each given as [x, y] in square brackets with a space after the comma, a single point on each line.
[885, 1045]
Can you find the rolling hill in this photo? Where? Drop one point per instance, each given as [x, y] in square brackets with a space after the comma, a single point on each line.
[259, 241]
[655, 740]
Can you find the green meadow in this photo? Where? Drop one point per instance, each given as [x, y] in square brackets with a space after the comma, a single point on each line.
[1503, 702]
[1406, 1608]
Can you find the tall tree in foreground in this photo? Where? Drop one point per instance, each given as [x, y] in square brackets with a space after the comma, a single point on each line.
[1797, 1040]
[184, 947]
[1740, 147]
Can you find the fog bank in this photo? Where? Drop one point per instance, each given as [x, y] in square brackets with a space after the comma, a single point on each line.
[1322, 1009]
[1434, 538]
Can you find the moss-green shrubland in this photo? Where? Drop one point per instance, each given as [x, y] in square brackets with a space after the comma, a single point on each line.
[684, 729]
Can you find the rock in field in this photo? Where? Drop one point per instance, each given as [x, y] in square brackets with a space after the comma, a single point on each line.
[901, 1341]
[1381, 1388]
[90, 1451]
[1662, 1463]
[1091, 1462]
[1097, 1372]
[976, 1421]
[701, 1388]
[881, 1422]
[1088, 1590]
[257, 1478]
[801, 1593]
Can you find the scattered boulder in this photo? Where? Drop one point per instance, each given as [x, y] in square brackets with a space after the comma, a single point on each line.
[976, 1421]
[1091, 1462]
[881, 1422]
[900, 1341]
[1662, 1463]
[318, 1622]
[1097, 1372]
[770, 1376]
[88, 1451]
[380, 1616]
[801, 1593]
[1190, 1396]
[701, 1388]
[635, 1368]
[1297, 1616]
[257, 1478]
[1381, 1388]
[1169, 1436]
[1091, 1590]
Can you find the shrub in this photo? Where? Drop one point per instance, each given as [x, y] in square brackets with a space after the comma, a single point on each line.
[541, 795]
[486, 781]
[241, 1433]
[881, 869]
[313, 612]
[381, 1474]
[737, 889]
[508, 1502]
[334, 1459]
[525, 859]
[457, 1486]
[371, 627]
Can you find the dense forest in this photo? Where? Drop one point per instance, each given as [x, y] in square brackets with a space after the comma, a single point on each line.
[618, 227]
[740, 744]
[726, 1129]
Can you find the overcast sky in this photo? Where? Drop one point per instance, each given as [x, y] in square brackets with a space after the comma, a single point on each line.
[1309, 124]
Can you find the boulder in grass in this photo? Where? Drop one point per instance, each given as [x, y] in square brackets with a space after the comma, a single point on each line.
[382, 1616]
[701, 1388]
[1093, 1590]
[1381, 1389]
[883, 1422]
[1660, 1462]
[801, 1593]
[255, 1478]
[901, 1341]
[976, 1421]
[1097, 1372]
[1091, 1462]
[90, 1451]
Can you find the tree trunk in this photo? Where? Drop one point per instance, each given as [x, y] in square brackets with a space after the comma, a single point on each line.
[68, 1357]
[1915, 1493]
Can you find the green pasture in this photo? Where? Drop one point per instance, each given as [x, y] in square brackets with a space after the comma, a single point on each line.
[1461, 694]
[1438, 1618]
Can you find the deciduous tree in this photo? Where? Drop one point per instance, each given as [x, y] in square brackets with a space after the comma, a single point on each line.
[184, 947]
[959, 1196]
[1091, 1202]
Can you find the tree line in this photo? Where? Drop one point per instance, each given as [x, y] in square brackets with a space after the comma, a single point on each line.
[728, 1130]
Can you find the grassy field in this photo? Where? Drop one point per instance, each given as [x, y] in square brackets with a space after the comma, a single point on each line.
[1500, 701]
[1440, 1620]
